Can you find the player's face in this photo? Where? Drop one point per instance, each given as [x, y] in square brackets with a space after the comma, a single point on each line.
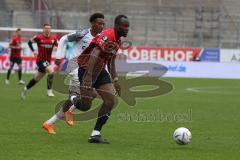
[18, 33]
[47, 30]
[98, 25]
[123, 27]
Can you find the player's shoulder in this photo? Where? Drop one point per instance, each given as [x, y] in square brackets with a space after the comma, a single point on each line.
[107, 34]
[82, 32]
[38, 36]
[13, 38]
[108, 31]
[78, 35]
[52, 36]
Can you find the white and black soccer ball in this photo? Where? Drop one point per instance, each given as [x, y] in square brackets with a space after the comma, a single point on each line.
[182, 136]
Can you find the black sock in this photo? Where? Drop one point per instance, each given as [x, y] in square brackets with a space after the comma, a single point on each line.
[49, 81]
[8, 74]
[19, 74]
[9, 71]
[31, 83]
[101, 121]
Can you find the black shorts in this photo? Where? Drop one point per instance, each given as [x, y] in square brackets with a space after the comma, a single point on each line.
[42, 65]
[102, 78]
[16, 60]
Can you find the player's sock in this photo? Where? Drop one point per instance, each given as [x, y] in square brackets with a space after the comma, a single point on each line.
[53, 119]
[59, 115]
[31, 83]
[19, 74]
[9, 73]
[72, 109]
[100, 122]
[95, 133]
[49, 81]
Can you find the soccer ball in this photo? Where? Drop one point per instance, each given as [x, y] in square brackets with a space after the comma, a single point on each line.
[182, 136]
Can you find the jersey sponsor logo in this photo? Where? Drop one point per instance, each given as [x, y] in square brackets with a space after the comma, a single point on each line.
[46, 45]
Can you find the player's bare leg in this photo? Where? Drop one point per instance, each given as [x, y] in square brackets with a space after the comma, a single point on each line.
[106, 93]
[49, 71]
[31, 83]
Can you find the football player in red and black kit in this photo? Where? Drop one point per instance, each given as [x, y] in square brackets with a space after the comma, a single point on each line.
[15, 56]
[94, 78]
[45, 42]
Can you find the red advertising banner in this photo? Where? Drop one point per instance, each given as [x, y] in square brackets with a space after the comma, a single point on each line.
[161, 54]
[28, 64]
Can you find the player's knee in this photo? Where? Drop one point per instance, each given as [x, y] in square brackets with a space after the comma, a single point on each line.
[93, 95]
[109, 102]
[11, 67]
[85, 107]
[49, 70]
[86, 104]
[82, 105]
[19, 67]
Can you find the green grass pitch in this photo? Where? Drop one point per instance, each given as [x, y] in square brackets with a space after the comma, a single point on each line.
[213, 118]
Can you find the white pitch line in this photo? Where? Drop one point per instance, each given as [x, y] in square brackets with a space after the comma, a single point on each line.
[212, 90]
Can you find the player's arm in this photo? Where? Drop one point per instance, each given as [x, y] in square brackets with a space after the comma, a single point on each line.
[71, 37]
[77, 36]
[61, 49]
[30, 45]
[112, 68]
[92, 69]
[113, 72]
[13, 45]
[55, 45]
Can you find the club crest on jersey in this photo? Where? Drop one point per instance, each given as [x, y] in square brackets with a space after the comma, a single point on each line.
[104, 39]
[111, 47]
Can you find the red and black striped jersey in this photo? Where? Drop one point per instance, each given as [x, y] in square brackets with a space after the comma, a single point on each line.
[45, 46]
[108, 43]
[16, 43]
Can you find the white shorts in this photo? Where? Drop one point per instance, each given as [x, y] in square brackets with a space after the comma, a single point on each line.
[74, 85]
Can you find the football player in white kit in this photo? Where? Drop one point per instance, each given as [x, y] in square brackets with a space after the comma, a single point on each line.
[80, 39]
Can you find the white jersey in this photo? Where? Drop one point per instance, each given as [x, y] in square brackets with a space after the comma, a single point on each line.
[81, 40]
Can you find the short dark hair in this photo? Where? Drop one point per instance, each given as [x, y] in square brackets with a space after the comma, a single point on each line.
[117, 19]
[94, 16]
[47, 24]
[18, 29]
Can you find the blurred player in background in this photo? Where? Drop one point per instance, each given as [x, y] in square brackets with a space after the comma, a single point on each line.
[92, 75]
[45, 42]
[80, 40]
[15, 56]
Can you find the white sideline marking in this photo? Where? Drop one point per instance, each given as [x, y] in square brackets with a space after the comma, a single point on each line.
[215, 90]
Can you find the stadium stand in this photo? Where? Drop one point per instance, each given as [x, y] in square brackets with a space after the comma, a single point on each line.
[162, 23]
